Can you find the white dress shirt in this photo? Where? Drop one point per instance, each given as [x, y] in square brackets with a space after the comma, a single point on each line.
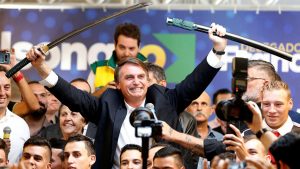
[127, 133]
[19, 134]
[285, 128]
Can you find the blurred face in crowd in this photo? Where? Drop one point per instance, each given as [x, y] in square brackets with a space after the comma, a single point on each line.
[41, 94]
[53, 103]
[3, 159]
[56, 161]
[153, 80]
[168, 162]
[257, 79]
[151, 154]
[76, 156]
[255, 148]
[276, 105]
[126, 47]
[5, 91]
[131, 159]
[223, 96]
[36, 157]
[133, 83]
[70, 123]
[200, 108]
[82, 86]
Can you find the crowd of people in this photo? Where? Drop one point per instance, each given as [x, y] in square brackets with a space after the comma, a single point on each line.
[60, 124]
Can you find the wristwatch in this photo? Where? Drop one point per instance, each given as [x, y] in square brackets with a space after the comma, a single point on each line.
[261, 132]
[218, 52]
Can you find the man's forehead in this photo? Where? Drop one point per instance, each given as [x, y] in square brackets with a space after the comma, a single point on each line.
[4, 79]
[37, 86]
[124, 69]
[35, 150]
[204, 97]
[276, 92]
[77, 146]
[258, 73]
[131, 154]
[122, 39]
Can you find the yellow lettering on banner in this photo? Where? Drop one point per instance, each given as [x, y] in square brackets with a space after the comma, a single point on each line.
[244, 47]
[297, 47]
[281, 47]
[274, 45]
[289, 48]
[157, 51]
[285, 47]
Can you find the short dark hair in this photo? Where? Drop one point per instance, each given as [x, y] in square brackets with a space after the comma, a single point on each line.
[266, 67]
[39, 141]
[130, 147]
[290, 143]
[218, 92]
[159, 144]
[158, 72]
[81, 80]
[87, 141]
[134, 61]
[128, 30]
[4, 147]
[170, 151]
[58, 144]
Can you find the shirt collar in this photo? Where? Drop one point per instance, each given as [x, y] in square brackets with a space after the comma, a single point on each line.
[8, 114]
[285, 128]
[130, 108]
[210, 132]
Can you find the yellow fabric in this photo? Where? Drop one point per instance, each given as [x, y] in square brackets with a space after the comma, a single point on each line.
[103, 75]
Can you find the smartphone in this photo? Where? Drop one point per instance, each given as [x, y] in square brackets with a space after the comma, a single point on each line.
[4, 57]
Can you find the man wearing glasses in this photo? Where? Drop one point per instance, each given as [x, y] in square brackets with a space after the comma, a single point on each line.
[259, 73]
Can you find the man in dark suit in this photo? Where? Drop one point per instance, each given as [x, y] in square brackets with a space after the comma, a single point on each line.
[111, 111]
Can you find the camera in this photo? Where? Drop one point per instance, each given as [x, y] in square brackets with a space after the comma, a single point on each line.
[233, 164]
[237, 165]
[142, 119]
[235, 110]
[4, 57]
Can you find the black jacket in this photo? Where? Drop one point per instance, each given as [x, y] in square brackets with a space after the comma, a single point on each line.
[108, 112]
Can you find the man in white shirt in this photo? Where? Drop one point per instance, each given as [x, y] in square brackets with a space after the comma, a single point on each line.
[111, 111]
[19, 128]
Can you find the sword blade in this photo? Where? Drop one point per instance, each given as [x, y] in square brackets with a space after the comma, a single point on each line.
[61, 39]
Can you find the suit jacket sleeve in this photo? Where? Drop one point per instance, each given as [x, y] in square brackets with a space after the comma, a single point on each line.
[192, 86]
[77, 100]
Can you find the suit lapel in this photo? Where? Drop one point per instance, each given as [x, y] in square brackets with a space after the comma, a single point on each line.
[119, 117]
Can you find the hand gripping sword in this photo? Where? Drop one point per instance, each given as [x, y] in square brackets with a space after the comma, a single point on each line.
[61, 39]
[192, 26]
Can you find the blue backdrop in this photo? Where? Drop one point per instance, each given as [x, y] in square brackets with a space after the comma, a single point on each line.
[177, 50]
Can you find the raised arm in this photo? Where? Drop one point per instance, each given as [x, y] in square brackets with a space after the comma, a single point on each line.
[75, 99]
[29, 102]
[196, 82]
[194, 144]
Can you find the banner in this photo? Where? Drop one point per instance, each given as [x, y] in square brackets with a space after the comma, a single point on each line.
[177, 50]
